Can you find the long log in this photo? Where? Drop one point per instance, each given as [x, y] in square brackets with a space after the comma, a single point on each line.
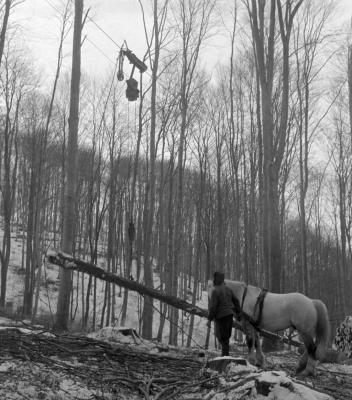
[70, 263]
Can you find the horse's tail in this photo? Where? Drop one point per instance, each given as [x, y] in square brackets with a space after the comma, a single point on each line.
[322, 329]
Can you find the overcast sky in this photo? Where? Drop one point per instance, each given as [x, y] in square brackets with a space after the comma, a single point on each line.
[120, 19]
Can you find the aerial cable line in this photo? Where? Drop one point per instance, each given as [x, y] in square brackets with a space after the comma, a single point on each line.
[100, 28]
[105, 33]
[132, 92]
[101, 51]
[108, 96]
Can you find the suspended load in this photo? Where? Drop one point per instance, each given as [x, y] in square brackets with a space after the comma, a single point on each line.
[132, 91]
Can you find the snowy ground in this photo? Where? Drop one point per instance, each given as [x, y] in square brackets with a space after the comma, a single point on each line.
[25, 379]
[48, 291]
[69, 375]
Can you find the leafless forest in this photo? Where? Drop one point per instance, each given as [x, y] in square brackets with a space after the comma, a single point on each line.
[246, 167]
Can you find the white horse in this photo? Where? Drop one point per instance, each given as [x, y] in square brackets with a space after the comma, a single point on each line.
[275, 312]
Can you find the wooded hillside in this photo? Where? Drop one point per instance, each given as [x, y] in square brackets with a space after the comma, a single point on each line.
[245, 168]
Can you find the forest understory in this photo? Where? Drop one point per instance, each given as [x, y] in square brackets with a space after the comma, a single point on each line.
[38, 364]
[244, 166]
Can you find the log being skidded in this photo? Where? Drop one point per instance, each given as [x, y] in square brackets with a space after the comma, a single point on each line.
[70, 263]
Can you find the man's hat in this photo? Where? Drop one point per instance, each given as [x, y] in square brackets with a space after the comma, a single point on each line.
[219, 277]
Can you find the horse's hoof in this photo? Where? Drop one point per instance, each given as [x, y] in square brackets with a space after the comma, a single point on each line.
[305, 373]
[252, 360]
[300, 369]
[260, 363]
[302, 365]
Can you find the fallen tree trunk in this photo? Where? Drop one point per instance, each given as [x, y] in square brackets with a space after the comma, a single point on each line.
[70, 263]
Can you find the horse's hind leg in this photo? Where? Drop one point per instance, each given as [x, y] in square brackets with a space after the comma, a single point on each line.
[306, 365]
[310, 367]
[302, 363]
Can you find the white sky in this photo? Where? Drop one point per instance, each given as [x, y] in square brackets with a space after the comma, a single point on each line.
[40, 27]
[120, 19]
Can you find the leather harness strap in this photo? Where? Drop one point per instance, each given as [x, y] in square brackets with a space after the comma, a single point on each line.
[259, 303]
[243, 297]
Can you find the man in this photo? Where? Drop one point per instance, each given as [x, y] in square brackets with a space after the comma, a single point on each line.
[221, 308]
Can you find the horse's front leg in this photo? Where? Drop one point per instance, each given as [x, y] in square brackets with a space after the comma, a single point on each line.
[259, 351]
[250, 343]
[248, 331]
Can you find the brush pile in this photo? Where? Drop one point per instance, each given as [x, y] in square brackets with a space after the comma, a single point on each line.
[343, 337]
[37, 364]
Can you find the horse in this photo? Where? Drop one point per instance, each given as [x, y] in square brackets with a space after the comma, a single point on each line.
[260, 309]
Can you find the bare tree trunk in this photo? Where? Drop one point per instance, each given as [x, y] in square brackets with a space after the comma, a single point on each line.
[195, 21]
[147, 317]
[111, 250]
[8, 166]
[4, 27]
[198, 240]
[273, 146]
[35, 204]
[71, 170]
[307, 38]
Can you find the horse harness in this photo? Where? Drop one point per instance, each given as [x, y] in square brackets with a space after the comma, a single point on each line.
[259, 304]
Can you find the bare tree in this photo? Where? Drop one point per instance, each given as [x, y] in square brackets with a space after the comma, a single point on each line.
[36, 210]
[71, 172]
[6, 10]
[308, 37]
[274, 137]
[15, 83]
[194, 20]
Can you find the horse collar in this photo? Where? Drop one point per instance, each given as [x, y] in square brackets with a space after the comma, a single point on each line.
[259, 303]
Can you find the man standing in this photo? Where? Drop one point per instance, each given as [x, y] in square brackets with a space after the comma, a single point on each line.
[221, 308]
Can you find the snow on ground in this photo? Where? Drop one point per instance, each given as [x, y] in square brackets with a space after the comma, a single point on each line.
[53, 380]
[25, 380]
[277, 384]
[268, 385]
[49, 291]
[282, 387]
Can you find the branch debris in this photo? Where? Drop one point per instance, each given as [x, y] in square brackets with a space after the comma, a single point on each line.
[112, 368]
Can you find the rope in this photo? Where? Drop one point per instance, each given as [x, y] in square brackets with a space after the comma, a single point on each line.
[180, 328]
